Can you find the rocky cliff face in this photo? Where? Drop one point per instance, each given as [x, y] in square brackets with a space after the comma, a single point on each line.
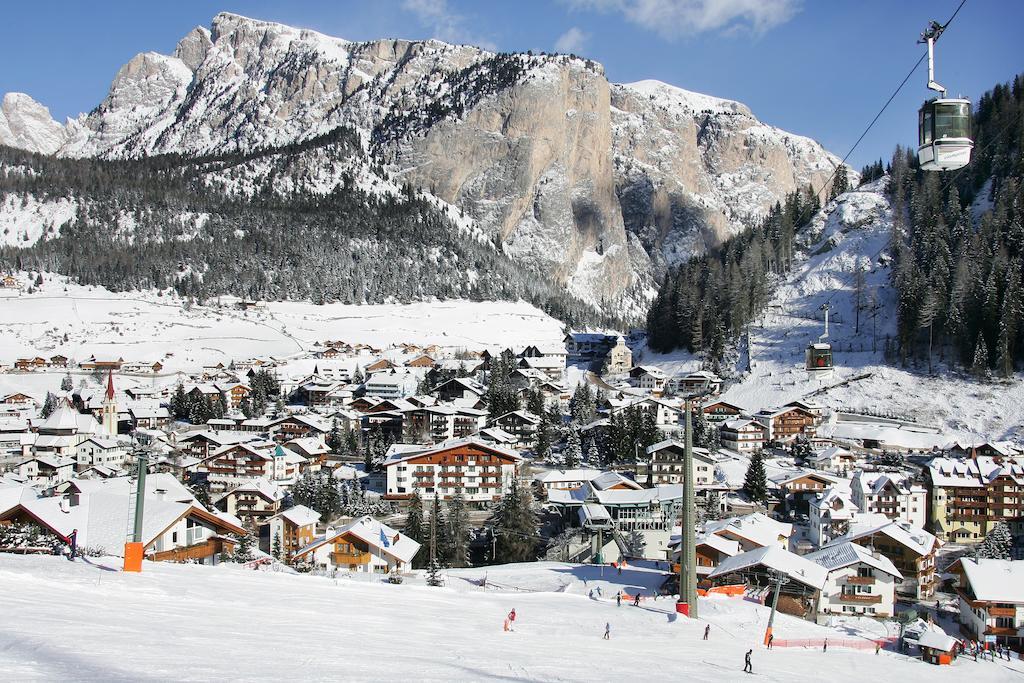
[26, 124]
[602, 184]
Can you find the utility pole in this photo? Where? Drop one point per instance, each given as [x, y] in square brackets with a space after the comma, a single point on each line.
[778, 579]
[687, 603]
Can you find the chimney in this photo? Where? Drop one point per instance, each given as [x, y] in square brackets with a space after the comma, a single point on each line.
[328, 532]
[74, 499]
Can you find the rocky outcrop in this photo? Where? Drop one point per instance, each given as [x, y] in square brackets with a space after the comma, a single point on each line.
[603, 185]
[693, 170]
[26, 124]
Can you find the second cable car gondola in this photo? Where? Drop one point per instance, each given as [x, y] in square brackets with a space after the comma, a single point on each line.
[943, 123]
[818, 359]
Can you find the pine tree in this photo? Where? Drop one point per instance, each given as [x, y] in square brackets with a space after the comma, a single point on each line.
[67, 384]
[179, 406]
[435, 561]
[515, 526]
[244, 549]
[49, 405]
[245, 406]
[276, 549]
[997, 545]
[713, 505]
[544, 436]
[636, 544]
[755, 483]
[334, 439]
[457, 537]
[414, 528]
[979, 366]
[573, 449]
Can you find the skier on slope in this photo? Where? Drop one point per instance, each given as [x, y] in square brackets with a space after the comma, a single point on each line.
[512, 615]
[607, 631]
[618, 599]
[747, 668]
[707, 630]
[636, 599]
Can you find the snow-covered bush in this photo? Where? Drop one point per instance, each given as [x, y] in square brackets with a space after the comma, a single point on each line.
[28, 537]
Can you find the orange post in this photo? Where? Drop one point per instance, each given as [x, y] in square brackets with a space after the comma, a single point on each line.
[133, 557]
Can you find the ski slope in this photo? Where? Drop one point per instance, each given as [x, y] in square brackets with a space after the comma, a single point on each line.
[84, 621]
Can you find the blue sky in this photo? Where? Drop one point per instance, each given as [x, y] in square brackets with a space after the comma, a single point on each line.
[820, 68]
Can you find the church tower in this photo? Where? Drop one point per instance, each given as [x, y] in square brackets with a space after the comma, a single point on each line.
[110, 407]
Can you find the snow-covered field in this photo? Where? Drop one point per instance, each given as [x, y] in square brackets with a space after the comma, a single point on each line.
[854, 233]
[78, 321]
[82, 621]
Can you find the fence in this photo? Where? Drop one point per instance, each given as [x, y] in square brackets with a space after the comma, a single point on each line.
[849, 643]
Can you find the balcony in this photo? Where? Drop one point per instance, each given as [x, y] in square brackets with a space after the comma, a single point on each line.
[423, 473]
[350, 558]
[1000, 631]
[857, 599]
[860, 580]
[1002, 611]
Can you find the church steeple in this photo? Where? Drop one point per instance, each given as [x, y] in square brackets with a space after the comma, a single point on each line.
[110, 407]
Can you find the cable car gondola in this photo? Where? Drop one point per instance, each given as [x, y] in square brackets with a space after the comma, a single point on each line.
[943, 123]
[819, 354]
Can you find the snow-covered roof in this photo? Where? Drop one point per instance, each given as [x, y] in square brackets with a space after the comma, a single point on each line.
[995, 580]
[975, 472]
[726, 546]
[845, 554]
[162, 485]
[556, 476]
[756, 527]
[606, 480]
[397, 452]
[101, 518]
[914, 538]
[773, 557]
[594, 513]
[258, 485]
[300, 515]
[13, 494]
[937, 640]
[375, 534]
[834, 504]
[874, 483]
[66, 418]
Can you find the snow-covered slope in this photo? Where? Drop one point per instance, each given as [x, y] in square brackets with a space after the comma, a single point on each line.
[79, 620]
[545, 157]
[853, 231]
[77, 322]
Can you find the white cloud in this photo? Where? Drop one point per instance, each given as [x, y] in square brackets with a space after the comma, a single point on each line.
[572, 41]
[679, 18]
[445, 23]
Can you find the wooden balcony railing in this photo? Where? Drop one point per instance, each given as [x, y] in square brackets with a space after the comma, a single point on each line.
[860, 580]
[857, 598]
[350, 558]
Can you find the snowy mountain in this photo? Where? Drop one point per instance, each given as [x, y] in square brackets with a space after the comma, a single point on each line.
[598, 184]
